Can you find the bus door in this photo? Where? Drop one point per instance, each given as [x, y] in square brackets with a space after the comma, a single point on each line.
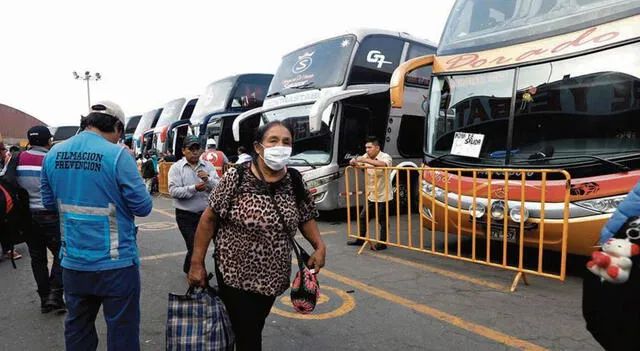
[176, 136]
[355, 128]
[248, 127]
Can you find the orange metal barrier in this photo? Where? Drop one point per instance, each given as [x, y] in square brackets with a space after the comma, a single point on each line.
[512, 219]
[163, 177]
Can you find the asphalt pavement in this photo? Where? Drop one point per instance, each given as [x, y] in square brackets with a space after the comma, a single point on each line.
[394, 299]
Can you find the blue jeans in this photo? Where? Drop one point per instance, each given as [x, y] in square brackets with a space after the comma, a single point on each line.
[118, 291]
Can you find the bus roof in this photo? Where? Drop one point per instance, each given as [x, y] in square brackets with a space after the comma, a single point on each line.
[360, 33]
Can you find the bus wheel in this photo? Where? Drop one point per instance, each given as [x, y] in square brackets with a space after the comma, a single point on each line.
[402, 193]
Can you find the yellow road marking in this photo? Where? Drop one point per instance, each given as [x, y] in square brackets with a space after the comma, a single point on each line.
[427, 310]
[440, 271]
[348, 304]
[437, 314]
[169, 214]
[160, 256]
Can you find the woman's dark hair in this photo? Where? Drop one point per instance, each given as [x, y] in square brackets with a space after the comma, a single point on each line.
[104, 123]
[262, 131]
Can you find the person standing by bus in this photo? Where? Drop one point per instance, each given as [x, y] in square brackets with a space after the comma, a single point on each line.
[190, 181]
[97, 189]
[376, 189]
[216, 157]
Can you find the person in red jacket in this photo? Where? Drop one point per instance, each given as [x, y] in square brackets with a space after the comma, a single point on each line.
[216, 157]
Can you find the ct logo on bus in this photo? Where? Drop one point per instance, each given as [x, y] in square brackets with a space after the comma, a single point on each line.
[303, 63]
[375, 56]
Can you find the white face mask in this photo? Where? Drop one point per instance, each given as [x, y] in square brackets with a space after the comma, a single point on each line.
[276, 157]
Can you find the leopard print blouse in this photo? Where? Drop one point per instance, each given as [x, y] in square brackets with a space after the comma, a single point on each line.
[253, 252]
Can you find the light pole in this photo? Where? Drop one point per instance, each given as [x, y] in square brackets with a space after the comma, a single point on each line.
[87, 77]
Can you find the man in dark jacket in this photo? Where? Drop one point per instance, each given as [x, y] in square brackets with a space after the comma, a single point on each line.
[148, 172]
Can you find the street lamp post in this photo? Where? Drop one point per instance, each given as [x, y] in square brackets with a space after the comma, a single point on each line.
[87, 77]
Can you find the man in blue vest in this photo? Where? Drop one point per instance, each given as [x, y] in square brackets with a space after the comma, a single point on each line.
[97, 189]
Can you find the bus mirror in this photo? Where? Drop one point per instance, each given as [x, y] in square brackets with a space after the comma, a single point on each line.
[325, 103]
[396, 87]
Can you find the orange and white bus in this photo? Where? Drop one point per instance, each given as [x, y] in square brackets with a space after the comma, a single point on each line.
[538, 84]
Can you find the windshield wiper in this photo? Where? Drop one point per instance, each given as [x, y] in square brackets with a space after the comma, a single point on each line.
[304, 86]
[447, 155]
[277, 93]
[617, 165]
[303, 160]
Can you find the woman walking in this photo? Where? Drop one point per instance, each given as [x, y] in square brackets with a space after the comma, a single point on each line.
[253, 236]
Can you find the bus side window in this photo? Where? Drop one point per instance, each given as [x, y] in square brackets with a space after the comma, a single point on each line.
[411, 136]
[354, 132]
[377, 57]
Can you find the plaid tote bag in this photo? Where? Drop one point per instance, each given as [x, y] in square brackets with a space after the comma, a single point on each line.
[198, 321]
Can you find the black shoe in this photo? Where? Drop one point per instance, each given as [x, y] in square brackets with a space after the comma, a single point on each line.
[55, 302]
[43, 302]
[379, 246]
[357, 242]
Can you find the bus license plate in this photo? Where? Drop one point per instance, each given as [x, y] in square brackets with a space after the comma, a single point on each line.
[498, 234]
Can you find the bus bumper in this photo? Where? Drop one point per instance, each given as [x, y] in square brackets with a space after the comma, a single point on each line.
[583, 234]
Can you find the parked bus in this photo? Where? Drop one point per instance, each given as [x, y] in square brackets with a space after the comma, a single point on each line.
[334, 94]
[145, 125]
[168, 131]
[547, 85]
[62, 133]
[221, 102]
[129, 128]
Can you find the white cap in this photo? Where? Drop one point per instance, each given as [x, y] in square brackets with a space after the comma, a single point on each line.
[108, 108]
[211, 141]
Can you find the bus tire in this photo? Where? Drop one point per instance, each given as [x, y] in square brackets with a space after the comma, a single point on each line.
[403, 196]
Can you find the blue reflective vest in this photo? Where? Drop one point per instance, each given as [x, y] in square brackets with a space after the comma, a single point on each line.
[628, 208]
[97, 189]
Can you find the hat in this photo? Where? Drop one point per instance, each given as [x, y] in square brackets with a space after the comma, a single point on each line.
[38, 135]
[189, 141]
[211, 141]
[108, 108]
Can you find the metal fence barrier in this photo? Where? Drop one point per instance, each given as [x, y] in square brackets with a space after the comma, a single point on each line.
[513, 219]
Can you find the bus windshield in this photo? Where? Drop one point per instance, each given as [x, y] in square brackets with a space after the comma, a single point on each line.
[319, 65]
[65, 132]
[171, 112]
[213, 99]
[476, 25]
[563, 109]
[146, 121]
[310, 148]
[132, 123]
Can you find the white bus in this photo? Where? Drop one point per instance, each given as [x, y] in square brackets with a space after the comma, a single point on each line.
[335, 93]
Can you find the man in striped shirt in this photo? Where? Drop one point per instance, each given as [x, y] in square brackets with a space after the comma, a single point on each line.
[44, 232]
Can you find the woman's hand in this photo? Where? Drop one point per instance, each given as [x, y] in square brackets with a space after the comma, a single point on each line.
[197, 275]
[317, 259]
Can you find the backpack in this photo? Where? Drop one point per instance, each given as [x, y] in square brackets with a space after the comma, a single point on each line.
[14, 205]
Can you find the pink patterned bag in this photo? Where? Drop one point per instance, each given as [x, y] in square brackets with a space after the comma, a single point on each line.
[305, 289]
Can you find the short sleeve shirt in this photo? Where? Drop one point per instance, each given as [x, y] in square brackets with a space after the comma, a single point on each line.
[377, 180]
[253, 248]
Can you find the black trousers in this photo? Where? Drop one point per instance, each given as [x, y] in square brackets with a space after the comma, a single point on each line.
[247, 311]
[187, 223]
[44, 234]
[382, 218]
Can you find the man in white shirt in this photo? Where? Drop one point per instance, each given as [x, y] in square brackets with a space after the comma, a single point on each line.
[378, 189]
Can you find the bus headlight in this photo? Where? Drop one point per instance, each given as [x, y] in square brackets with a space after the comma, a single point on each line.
[427, 188]
[602, 205]
[480, 210]
[515, 213]
[312, 184]
[497, 210]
